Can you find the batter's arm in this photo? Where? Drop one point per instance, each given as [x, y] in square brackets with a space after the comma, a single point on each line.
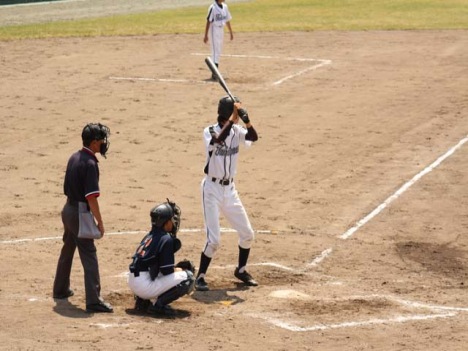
[251, 133]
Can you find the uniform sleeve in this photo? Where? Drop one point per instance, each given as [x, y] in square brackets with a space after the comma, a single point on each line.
[91, 186]
[242, 133]
[210, 17]
[207, 139]
[228, 14]
[167, 256]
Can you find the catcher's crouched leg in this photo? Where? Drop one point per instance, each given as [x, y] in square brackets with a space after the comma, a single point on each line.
[183, 288]
[141, 305]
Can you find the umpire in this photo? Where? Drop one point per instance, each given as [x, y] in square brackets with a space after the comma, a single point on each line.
[82, 185]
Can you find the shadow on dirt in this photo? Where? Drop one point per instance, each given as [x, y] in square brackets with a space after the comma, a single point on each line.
[67, 309]
[220, 295]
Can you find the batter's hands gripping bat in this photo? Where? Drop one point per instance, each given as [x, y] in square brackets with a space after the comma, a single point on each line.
[241, 112]
[218, 76]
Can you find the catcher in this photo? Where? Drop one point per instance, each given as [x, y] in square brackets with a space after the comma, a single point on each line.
[154, 277]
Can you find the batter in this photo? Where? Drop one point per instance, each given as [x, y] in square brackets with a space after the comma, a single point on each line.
[219, 194]
[218, 17]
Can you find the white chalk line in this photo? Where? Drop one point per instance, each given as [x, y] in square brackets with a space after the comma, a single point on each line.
[399, 319]
[346, 235]
[109, 325]
[324, 254]
[188, 230]
[321, 63]
[400, 191]
[41, 3]
[166, 80]
[437, 312]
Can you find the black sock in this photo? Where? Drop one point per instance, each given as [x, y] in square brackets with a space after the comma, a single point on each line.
[243, 257]
[204, 263]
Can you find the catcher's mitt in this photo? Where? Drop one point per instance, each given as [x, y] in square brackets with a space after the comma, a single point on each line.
[186, 265]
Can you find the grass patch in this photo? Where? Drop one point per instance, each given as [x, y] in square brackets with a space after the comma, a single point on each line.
[266, 16]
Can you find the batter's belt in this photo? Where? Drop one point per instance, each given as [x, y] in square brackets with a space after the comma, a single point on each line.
[222, 181]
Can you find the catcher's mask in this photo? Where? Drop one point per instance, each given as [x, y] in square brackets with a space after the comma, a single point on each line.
[96, 131]
[225, 108]
[165, 212]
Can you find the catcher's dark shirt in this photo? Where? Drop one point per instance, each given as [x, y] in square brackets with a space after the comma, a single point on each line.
[156, 249]
[82, 176]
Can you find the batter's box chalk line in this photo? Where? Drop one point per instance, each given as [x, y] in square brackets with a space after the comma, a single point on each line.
[131, 232]
[294, 325]
[315, 64]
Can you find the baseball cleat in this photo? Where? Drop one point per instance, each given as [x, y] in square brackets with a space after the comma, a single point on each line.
[141, 305]
[245, 277]
[162, 310]
[201, 285]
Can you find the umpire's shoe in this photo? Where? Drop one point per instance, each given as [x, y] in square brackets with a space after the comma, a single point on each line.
[201, 285]
[245, 277]
[99, 307]
[68, 294]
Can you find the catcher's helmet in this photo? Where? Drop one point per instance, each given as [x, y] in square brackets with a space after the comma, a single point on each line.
[168, 211]
[161, 214]
[225, 108]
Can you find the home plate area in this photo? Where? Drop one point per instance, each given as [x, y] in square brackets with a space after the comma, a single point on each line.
[302, 313]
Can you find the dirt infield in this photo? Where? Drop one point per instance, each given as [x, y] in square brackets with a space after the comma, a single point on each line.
[346, 120]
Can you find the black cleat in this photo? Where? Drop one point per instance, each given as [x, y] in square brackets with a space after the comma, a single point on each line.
[245, 277]
[201, 285]
[141, 305]
[68, 294]
[162, 310]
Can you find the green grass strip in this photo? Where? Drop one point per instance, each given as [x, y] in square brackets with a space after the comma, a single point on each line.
[266, 16]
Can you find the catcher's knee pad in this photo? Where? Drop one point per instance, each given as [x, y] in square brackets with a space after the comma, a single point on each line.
[210, 249]
[183, 288]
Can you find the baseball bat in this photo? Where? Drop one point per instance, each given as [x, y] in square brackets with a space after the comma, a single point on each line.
[219, 77]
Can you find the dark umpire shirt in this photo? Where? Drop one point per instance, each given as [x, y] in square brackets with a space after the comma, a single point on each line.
[82, 176]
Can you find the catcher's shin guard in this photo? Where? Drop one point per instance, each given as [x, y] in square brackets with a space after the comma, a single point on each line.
[183, 288]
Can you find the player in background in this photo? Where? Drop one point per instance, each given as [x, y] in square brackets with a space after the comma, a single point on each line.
[218, 17]
[219, 195]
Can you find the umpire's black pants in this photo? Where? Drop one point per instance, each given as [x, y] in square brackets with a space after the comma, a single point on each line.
[88, 256]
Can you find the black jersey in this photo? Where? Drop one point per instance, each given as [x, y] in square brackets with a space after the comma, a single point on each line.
[155, 253]
[82, 176]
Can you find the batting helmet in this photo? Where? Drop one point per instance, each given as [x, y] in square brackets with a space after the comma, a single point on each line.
[225, 108]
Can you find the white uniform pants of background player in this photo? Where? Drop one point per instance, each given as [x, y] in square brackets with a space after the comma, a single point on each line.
[216, 40]
[148, 289]
[218, 198]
